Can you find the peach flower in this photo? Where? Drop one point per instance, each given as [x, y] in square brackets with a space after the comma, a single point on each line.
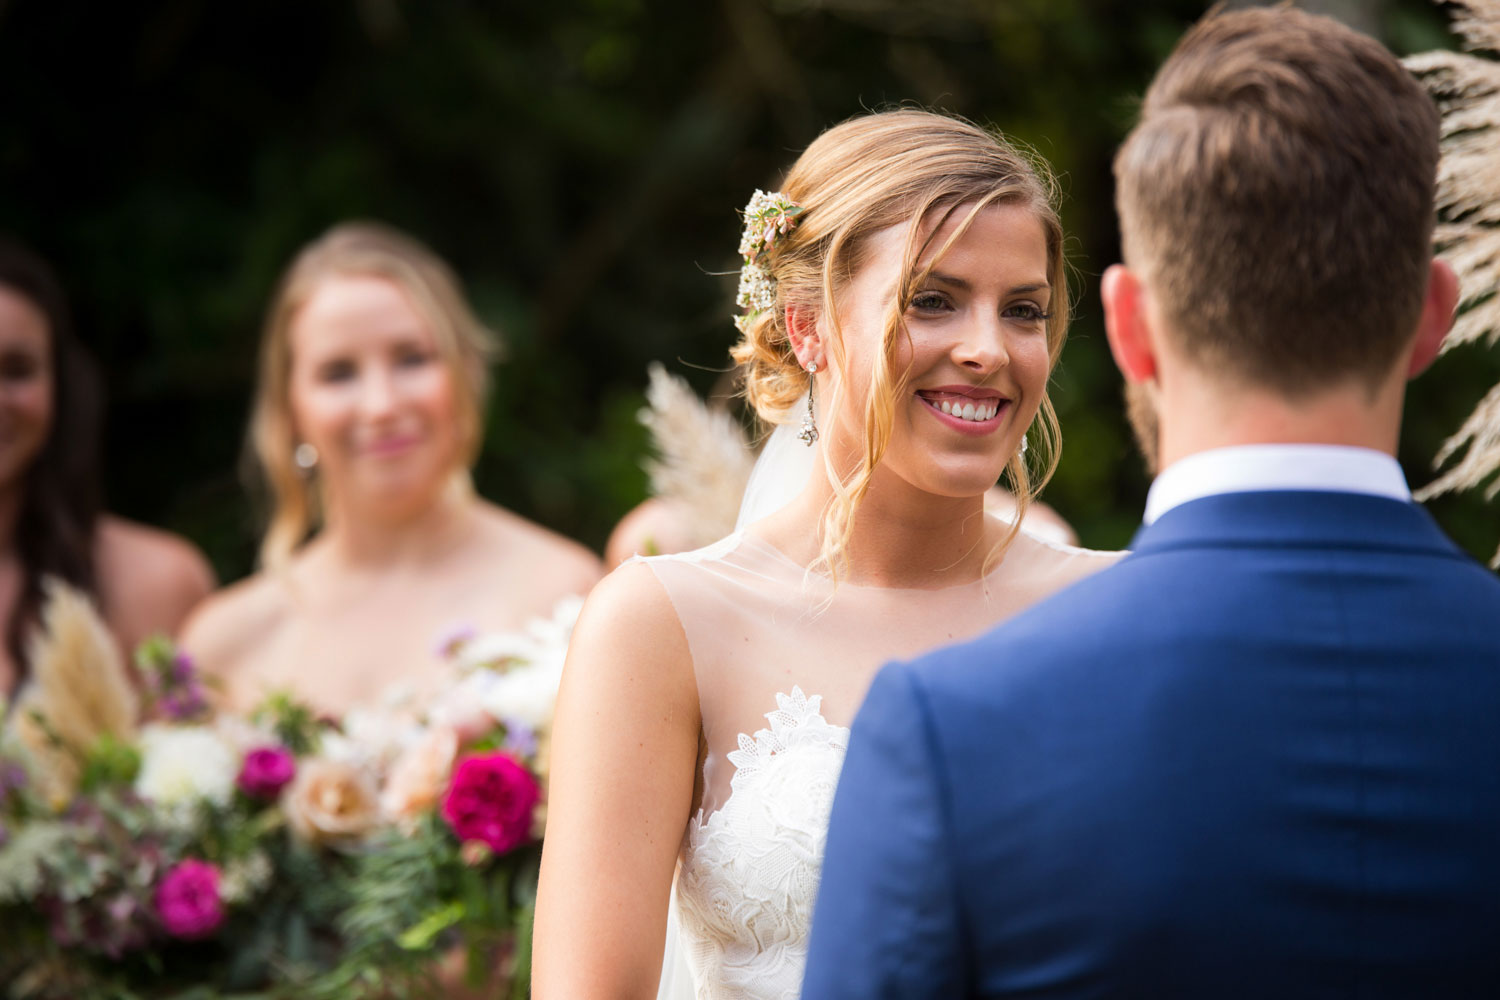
[420, 775]
[330, 802]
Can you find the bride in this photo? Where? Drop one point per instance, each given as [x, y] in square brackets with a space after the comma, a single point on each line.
[905, 302]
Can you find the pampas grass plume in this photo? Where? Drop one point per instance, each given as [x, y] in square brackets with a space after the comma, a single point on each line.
[1467, 91]
[703, 459]
[79, 690]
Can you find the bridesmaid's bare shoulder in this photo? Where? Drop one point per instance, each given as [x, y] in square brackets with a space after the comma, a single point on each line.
[555, 564]
[149, 579]
[230, 624]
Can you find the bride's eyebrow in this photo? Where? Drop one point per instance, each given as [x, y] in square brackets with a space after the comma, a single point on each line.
[964, 286]
[949, 279]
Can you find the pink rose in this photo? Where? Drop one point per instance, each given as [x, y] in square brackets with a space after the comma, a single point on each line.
[187, 900]
[491, 800]
[266, 771]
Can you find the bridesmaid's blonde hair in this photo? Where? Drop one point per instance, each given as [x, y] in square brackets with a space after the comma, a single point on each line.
[464, 344]
[867, 174]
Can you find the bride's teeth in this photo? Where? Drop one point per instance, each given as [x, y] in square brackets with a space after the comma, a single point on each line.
[968, 411]
[947, 406]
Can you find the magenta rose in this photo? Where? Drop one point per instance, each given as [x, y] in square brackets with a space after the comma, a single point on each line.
[187, 900]
[266, 771]
[491, 800]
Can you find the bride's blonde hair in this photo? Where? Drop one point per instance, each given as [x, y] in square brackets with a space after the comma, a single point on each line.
[867, 174]
[464, 344]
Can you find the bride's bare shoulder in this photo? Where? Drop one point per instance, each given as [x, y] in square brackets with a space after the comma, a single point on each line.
[629, 646]
[631, 607]
[1056, 564]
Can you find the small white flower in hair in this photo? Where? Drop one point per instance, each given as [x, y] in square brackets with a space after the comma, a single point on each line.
[767, 216]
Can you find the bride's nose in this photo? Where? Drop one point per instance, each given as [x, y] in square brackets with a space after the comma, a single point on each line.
[981, 345]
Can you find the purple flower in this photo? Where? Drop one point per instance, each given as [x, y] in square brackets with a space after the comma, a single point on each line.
[183, 670]
[188, 901]
[12, 779]
[266, 771]
[520, 739]
[452, 639]
[184, 703]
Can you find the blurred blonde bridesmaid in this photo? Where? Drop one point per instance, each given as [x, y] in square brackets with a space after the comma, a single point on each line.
[367, 419]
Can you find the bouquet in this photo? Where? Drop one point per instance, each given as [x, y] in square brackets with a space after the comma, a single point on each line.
[275, 855]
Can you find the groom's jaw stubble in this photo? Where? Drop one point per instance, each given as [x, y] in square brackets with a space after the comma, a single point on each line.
[1145, 423]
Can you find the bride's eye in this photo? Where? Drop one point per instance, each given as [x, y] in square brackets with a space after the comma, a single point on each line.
[1027, 312]
[929, 302]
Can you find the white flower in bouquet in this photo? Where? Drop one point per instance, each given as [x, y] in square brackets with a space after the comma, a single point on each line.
[525, 694]
[509, 677]
[461, 707]
[542, 639]
[244, 878]
[242, 735]
[183, 765]
[370, 739]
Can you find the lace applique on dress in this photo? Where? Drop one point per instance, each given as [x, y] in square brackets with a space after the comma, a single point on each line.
[750, 870]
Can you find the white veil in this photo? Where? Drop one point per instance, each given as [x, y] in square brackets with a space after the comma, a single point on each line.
[780, 473]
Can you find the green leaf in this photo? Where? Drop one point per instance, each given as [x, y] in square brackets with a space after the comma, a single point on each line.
[421, 936]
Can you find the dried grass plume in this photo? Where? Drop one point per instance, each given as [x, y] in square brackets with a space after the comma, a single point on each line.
[703, 459]
[1466, 88]
[79, 692]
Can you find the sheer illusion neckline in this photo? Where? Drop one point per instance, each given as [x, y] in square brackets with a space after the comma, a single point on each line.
[744, 537]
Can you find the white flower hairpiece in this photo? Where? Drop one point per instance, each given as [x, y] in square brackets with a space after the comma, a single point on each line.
[767, 216]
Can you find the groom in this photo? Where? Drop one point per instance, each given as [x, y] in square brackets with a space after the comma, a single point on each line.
[1260, 757]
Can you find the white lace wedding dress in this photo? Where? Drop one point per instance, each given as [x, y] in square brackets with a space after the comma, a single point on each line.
[782, 660]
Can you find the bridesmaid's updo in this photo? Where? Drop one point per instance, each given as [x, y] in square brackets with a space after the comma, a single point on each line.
[904, 167]
[464, 345]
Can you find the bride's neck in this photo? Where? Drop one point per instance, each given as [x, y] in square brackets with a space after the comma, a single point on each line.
[902, 536]
[374, 539]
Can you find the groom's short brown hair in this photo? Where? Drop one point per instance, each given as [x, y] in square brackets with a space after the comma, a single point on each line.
[1277, 196]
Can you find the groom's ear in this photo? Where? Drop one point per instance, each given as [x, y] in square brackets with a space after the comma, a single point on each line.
[806, 339]
[1438, 308]
[1127, 323]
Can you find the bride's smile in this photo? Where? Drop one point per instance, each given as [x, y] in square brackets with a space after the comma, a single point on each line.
[968, 410]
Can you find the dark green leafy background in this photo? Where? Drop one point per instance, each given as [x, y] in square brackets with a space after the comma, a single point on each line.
[580, 162]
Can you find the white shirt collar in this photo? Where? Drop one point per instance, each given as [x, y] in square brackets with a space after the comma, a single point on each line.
[1249, 468]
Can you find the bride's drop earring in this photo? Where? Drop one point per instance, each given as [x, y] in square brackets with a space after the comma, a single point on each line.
[809, 432]
[1023, 444]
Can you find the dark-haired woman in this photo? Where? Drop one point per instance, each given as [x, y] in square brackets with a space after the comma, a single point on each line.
[51, 524]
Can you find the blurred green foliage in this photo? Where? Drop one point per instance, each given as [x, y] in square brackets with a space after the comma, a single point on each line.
[580, 162]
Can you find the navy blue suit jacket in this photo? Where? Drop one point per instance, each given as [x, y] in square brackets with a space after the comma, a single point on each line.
[1259, 757]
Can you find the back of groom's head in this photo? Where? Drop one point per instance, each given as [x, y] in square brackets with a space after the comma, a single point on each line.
[1277, 196]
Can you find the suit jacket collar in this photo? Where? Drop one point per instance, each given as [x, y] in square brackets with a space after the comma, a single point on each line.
[1297, 519]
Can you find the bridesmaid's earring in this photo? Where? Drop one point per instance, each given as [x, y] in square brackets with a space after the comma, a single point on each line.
[809, 432]
[1023, 444]
[306, 457]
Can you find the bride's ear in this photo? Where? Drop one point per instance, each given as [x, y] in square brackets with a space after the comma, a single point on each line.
[802, 332]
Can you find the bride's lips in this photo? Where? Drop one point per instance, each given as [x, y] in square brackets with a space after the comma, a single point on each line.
[965, 395]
